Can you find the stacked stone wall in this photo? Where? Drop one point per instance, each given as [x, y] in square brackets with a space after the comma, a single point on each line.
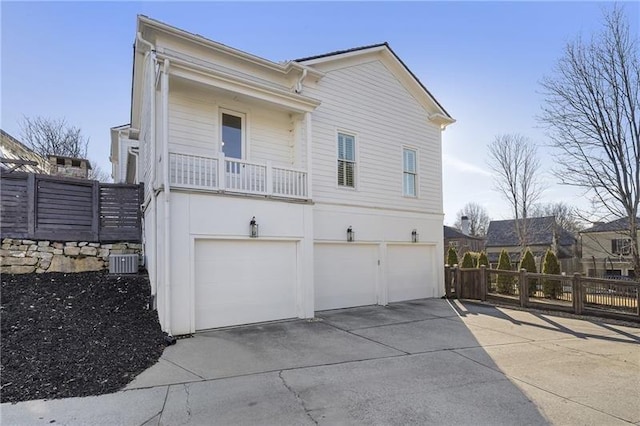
[28, 256]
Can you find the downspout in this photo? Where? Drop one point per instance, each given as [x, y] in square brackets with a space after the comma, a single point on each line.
[152, 141]
[167, 195]
[298, 87]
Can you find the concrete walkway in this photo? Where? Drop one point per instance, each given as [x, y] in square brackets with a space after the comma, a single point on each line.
[421, 362]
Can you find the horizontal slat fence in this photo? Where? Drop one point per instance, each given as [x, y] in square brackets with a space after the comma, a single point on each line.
[55, 208]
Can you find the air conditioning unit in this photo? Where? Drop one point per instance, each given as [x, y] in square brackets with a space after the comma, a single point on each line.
[123, 263]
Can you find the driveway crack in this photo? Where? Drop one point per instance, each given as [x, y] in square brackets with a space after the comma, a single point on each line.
[298, 398]
[186, 402]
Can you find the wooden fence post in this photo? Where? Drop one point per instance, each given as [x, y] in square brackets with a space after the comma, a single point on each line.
[95, 220]
[447, 281]
[576, 293]
[31, 205]
[483, 283]
[458, 281]
[523, 288]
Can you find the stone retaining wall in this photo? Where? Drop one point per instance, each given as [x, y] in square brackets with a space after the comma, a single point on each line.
[27, 256]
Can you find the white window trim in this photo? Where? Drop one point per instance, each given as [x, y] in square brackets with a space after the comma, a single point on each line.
[356, 160]
[416, 174]
[244, 116]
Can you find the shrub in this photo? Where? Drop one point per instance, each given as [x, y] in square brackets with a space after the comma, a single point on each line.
[551, 288]
[483, 259]
[468, 261]
[528, 263]
[505, 282]
[452, 256]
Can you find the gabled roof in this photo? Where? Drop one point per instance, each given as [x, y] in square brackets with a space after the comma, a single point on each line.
[613, 226]
[331, 55]
[450, 232]
[540, 230]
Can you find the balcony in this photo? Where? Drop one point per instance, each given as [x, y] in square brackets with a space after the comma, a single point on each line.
[231, 175]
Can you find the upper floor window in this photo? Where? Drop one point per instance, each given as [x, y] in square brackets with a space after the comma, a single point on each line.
[621, 246]
[409, 175]
[232, 134]
[346, 160]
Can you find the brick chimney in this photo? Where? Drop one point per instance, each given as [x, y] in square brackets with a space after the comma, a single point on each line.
[464, 220]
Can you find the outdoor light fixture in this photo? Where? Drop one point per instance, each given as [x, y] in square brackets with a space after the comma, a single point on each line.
[414, 236]
[253, 225]
[350, 234]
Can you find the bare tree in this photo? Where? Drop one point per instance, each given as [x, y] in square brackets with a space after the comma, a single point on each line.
[478, 219]
[514, 160]
[566, 216]
[97, 173]
[592, 112]
[48, 136]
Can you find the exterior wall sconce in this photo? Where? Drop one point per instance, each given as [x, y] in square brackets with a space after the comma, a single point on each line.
[414, 236]
[253, 226]
[350, 234]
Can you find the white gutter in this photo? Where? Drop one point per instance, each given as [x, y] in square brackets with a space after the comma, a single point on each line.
[167, 196]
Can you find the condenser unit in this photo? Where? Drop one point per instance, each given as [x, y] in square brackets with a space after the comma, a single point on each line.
[123, 263]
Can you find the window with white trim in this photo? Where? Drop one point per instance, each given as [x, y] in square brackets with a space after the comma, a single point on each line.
[346, 160]
[409, 172]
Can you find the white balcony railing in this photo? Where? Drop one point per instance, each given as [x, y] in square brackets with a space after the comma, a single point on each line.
[238, 176]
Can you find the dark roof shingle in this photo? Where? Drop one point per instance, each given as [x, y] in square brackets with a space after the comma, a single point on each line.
[502, 233]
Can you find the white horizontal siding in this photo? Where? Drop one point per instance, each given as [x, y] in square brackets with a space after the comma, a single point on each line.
[194, 126]
[369, 101]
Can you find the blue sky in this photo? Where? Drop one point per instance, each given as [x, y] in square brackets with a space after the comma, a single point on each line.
[482, 60]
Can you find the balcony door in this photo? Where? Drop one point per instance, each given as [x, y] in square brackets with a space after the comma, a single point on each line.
[232, 137]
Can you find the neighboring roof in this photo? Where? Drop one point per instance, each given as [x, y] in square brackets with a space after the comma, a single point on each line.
[616, 225]
[450, 232]
[12, 149]
[502, 233]
[373, 46]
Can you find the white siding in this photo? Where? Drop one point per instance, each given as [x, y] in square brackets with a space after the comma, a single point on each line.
[368, 100]
[194, 125]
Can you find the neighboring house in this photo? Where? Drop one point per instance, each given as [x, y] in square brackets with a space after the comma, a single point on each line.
[461, 242]
[542, 234]
[14, 155]
[606, 249]
[124, 155]
[257, 174]
[17, 154]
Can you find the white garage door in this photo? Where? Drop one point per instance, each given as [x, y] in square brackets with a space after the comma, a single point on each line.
[241, 282]
[409, 272]
[345, 275]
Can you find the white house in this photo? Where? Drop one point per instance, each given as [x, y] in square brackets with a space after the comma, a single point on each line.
[308, 149]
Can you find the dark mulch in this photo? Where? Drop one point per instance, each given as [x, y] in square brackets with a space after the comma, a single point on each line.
[82, 334]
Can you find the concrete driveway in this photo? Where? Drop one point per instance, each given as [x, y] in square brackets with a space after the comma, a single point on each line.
[422, 362]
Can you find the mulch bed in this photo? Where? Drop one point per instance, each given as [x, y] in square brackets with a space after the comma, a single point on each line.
[65, 335]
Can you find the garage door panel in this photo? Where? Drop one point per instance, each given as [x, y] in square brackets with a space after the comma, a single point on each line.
[240, 282]
[409, 272]
[345, 275]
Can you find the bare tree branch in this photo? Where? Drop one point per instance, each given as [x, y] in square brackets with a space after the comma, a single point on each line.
[53, 137]
[513, 158]
[592, 113]
[478, 219]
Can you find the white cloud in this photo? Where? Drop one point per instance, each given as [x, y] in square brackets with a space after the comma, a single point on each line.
[463, 166]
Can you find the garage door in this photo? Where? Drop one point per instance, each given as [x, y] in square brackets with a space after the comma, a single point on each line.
[345, 275]
[409, 272]
[241, 282]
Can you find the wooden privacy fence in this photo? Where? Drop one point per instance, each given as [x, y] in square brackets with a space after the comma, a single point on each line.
[42, 207]
[574, 293]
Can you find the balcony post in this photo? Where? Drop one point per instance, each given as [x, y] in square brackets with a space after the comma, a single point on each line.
[222, 166]
[269, 182]
[308, 150]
